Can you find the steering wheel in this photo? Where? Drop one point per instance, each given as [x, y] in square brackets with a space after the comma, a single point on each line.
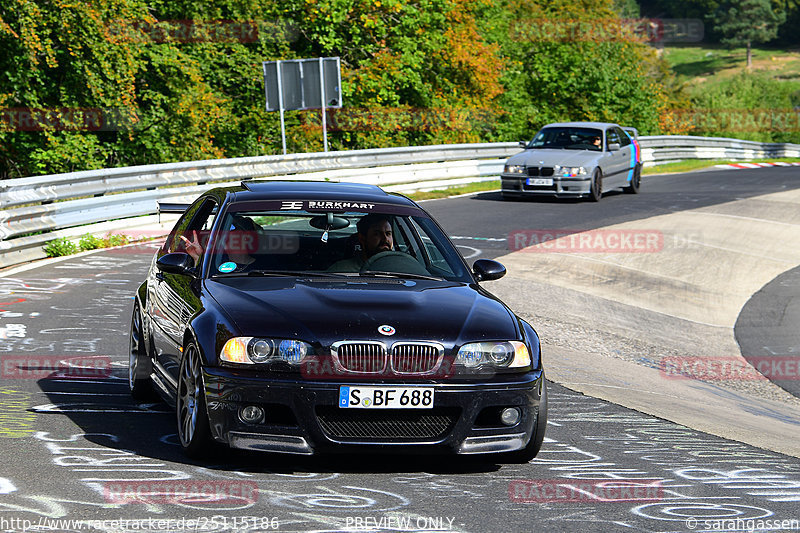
[392, 261]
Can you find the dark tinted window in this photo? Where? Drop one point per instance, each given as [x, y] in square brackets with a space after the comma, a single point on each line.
[566, 138]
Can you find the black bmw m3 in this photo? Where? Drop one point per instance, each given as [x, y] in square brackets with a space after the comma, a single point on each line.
[310, 317]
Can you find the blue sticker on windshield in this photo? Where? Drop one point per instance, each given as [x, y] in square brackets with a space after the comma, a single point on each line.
[230, 266]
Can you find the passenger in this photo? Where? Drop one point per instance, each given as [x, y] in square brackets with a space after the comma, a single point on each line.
[374, 235]
[242, 237]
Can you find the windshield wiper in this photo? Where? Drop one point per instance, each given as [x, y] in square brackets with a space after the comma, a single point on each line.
[285, 273]
[379, 273]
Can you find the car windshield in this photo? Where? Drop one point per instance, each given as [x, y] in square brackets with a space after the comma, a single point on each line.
[568, 138]
[269, 242]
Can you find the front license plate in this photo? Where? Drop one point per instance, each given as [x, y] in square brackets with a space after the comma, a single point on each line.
[386, 397]
[539, 181]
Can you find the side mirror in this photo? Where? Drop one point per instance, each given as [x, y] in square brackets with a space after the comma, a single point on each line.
[488, 270]
[176, 263]
[523, 144]
[613, 147]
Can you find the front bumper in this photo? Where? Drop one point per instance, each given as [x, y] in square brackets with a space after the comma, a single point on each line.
[303, 416]
[515, 185]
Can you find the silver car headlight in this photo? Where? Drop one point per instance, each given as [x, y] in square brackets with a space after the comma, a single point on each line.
[569, 172]
[496, 354]
[253, 350]
[514, 169]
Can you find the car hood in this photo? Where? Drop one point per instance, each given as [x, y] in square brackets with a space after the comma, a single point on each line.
[327, 311]
[550, 158]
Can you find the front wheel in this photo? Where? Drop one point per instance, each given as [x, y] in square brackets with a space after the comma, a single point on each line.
[596, 189]
[139, 383]
[530, 451]
[190, 407]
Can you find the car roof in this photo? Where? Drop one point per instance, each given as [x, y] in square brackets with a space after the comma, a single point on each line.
[315, 190]
[598, 125]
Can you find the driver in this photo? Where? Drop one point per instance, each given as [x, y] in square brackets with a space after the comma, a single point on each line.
[374, 235]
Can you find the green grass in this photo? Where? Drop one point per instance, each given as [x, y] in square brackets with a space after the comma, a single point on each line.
[481, 186]
[695, 64]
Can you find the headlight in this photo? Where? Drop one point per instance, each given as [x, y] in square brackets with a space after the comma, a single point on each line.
[514, 169]
[569, 172]
[500, 354]
[251, 350]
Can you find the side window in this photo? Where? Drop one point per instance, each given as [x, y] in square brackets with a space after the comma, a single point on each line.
[611, 137]
[624, 140]
[199, 218]
[437, 263]
[173, 242]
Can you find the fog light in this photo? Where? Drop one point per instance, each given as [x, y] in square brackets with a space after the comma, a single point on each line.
[252, 414]
[510, 416]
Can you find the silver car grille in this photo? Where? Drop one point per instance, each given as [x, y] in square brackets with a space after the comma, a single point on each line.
[405, 358]
[364, 358]
[416, 358]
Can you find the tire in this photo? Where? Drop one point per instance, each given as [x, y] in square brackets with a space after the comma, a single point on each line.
[190, 406]
[636, 181]
[139, 366]
[596, 190]
[530, 451]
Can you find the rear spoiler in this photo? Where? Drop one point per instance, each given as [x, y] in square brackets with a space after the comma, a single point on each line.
[170, 207]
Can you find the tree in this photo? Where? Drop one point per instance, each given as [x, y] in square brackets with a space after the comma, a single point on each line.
[743, 22]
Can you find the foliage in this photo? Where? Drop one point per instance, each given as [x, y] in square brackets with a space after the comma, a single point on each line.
[60, 247]
[125, 82]
[90, 242]
[743, 22]
[115, 240]
[749, 106]
[578, 61]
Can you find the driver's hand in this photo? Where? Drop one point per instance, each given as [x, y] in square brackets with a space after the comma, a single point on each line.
[193, 247]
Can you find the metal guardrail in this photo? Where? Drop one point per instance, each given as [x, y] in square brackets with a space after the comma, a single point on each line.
[662, 149]
[38, 209]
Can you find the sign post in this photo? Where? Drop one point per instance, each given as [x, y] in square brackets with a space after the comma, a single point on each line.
[298, 84]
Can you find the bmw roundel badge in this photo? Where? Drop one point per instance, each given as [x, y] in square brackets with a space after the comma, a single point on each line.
[386, 330]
